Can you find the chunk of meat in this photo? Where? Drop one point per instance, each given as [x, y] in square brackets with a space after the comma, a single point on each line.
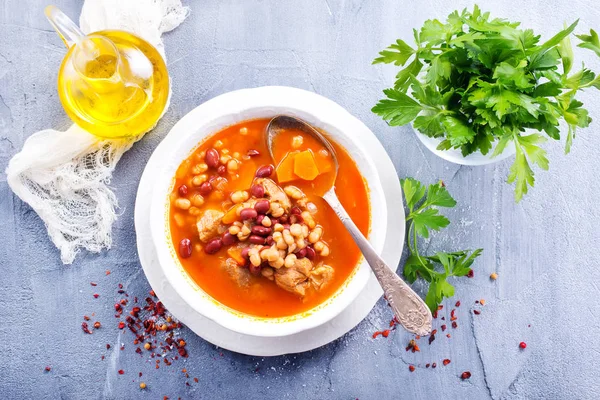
[240, 275]
[275, 193]
[321, 276]
[294, 279]
[208, 225]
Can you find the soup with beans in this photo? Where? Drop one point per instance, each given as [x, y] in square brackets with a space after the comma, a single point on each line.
[253, 232]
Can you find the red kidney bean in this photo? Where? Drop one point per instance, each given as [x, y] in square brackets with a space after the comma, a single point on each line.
[245, 252]
[261, 230]
[310, 253]
[183, 190]
[221, 170]
[283, 219]
[296, 210]
[265, 171]
[257, 191]
[260, 218]
[262, 206]
[185, 248]
[301, 253]
[228, 239]
[212, 158]
[205, 188]
[253, 153]
[254, 270]
[270, 240]
[213, 246]
[248, 213]
[296, 219]
[255, 239]
[286, 226]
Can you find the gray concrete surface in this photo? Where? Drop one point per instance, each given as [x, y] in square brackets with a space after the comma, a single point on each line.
[545, 249]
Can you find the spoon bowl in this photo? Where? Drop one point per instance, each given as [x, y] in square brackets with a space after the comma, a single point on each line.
[411, 311]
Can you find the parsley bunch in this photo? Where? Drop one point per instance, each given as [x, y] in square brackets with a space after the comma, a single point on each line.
[476, 81]
[424, 216]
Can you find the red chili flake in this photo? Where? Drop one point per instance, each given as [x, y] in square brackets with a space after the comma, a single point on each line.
[411, 368]
[377, 333]
[435, 314]
[196, 380]
[48, 368]
[523, 345]
[448, 336]
[417, 337]
[117, 307]
[120, 286]
[107, 272]
[86, 318]
[457, 304]
[140, 374]
[446, 361]
[433, 365]
[465, 375]
[102, 357]
[440, 307]
[427, 365]
[93, 284]
[470, 274]
[96, 295]
[452, 316]
[443, 328]
[97, 324]
[121, 325]
[121, 372]
[454, 325]
[152, 293]
[123, 302]
[107, 346]
[385, 333]
[476, 312]
[84, 327]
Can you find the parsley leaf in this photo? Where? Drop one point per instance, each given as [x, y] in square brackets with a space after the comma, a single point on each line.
[476, 82]
[424, 215]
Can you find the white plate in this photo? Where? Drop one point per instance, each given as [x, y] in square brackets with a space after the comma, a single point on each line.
[233, 108]
[298, 342]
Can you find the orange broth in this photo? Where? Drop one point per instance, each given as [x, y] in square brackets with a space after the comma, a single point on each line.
[263, 298]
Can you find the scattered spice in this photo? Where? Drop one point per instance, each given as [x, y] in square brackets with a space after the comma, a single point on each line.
[457, 304]
[121, 325]
[142, 385]
[93, 284]
[433, 365]
[86, 318]
[476, 312]
[385, 333]
[96, 295]
[97, 325]
[107, 272]
[470, 274]
[523, 345]
[446, 361]
[443, 328]
[454, 325]
[85, 328]
[107, 346]
[196, 380]
[121, 372]
[482, 302]
[147, 346]
[493, 276]
[427, 365]
[411, 368]
[465, 375]
[413, 346]
[48, 368]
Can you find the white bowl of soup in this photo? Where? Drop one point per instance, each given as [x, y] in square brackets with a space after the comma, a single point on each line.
[245, 239]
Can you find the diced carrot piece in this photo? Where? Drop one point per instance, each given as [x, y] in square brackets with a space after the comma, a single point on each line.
[231, 215]
[285, 169]
[305, 166]
[324, 161]
[246, 174]
[235, 252]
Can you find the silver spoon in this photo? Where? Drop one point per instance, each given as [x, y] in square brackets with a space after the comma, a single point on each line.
[411, 311]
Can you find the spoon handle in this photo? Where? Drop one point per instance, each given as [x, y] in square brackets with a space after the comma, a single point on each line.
[412, 313]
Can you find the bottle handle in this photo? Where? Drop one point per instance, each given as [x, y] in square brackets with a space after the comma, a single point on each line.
[68, 31]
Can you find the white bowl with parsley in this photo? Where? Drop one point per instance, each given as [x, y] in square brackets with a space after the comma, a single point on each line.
[479, 89]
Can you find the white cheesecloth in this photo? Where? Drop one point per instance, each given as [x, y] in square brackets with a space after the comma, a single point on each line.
[64, 176]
